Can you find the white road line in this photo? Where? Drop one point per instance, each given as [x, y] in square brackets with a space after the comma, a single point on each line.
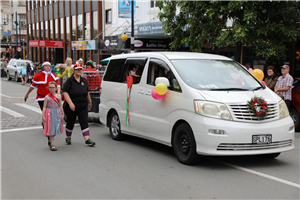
[10, 112]
[5, 95]
[29, 128]
[259, 174]
[29, 107]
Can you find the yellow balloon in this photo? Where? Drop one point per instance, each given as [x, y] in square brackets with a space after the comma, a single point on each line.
[161, 89]
[259, 74]
[124, 37]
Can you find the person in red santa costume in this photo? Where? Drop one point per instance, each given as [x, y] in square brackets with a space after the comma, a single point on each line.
[41, 81]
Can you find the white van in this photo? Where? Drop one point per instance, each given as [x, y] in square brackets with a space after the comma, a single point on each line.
[205, 109]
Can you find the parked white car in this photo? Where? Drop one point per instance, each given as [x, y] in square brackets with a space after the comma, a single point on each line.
[13, 68]
[205, 110]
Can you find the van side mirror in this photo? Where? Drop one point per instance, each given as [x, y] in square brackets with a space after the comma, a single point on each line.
[162, 80]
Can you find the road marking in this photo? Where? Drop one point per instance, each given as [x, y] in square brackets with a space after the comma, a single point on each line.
[29, 107]
[10, 112]
[33, 127]
[5, 95]
[259, 174]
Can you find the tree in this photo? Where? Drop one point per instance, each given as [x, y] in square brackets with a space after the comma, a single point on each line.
[264, 27]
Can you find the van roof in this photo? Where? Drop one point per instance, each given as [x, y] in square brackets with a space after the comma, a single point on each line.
[174, 55]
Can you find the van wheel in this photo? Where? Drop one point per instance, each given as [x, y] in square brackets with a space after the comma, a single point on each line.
[295, 116]
[115, 127]
[184, 145]
[269, 156]
[7, 76]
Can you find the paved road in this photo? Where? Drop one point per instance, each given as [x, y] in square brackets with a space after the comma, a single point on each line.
[131, 169]
[135, 169]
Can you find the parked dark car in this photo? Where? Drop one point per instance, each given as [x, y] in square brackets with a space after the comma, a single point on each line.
[295, 108]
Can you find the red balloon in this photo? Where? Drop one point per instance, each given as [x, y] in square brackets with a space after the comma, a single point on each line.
[264, 83]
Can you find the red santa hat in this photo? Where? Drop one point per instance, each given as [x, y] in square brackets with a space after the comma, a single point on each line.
[46, 63]
[77, 66]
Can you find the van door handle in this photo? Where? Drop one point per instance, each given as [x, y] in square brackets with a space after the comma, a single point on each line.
[148, 93]
[141, 92]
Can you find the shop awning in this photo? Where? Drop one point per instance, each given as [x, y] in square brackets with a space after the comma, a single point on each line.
[105, 61]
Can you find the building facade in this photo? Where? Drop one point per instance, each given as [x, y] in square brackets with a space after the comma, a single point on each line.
[53, 25]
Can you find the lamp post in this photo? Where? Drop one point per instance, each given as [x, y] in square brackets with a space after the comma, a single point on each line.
[17, 24]
[132, 27]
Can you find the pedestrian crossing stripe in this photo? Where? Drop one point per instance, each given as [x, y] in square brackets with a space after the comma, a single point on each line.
[29, 107]
[10, 112]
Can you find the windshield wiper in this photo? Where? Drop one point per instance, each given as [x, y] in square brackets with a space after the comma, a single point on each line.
[257, 88]
[228, 89]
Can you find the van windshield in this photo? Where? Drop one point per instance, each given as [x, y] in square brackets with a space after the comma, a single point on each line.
[215, 75]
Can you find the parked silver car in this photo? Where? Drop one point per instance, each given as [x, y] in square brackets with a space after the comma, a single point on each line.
[13, 68]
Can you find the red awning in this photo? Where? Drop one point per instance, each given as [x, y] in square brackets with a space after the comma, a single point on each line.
[46, 43]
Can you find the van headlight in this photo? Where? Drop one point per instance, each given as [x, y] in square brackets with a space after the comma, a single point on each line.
[283, 110]
[212, 109]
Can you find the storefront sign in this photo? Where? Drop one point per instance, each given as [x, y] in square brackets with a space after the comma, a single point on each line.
[148, 28]
[152, 43]
[84, 45]
[46, 43]
[113, 42]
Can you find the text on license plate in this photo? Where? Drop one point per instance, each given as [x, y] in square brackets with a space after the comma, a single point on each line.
[262, 139]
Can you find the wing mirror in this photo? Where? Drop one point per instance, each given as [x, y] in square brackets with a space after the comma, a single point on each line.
[162, 80]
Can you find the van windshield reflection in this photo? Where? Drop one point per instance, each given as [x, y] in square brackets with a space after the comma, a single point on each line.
[215, 75]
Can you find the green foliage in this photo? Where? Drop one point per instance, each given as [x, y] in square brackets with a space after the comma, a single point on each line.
[263, 26]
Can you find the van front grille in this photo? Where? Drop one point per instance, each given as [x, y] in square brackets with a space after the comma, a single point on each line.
[250, 146]
[242, 112]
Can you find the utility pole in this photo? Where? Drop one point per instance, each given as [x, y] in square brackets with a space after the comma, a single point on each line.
[132, 27]
[16, 22]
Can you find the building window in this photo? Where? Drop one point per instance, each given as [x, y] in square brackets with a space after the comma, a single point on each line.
[22, 19]
[95, 24]
[51, 29]
[74, 28]
[56, 29]
[42, 31]
[152, 4]
[80, 27]
[108, 16]
[67, 28]
[87, 33]
[37, 30]
[22, 2]
[46, 30]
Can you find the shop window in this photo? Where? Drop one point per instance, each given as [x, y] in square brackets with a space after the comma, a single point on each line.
[108, 16]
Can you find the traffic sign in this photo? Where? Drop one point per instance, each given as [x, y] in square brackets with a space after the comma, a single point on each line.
[19, 49]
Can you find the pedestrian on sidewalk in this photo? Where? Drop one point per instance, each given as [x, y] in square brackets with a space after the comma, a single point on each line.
[284, 85]
[77, 103]
[53, 115]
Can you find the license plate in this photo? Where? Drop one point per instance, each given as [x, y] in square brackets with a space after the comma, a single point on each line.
[261, 139]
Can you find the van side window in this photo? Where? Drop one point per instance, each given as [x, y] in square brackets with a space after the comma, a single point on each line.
[158, 68]
[114, 70]
[134, 68]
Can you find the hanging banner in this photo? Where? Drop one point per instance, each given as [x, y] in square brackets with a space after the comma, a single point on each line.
[84, 45]
[125, 8]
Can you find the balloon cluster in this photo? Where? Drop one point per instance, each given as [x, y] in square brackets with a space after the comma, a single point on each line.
[259, 74]
[159, 91]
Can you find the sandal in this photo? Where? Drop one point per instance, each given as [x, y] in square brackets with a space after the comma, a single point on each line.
[53, 148]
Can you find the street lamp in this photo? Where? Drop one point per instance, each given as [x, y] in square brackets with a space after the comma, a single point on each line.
[17, 24]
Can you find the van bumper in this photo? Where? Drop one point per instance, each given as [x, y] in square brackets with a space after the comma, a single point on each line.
[237, 137]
